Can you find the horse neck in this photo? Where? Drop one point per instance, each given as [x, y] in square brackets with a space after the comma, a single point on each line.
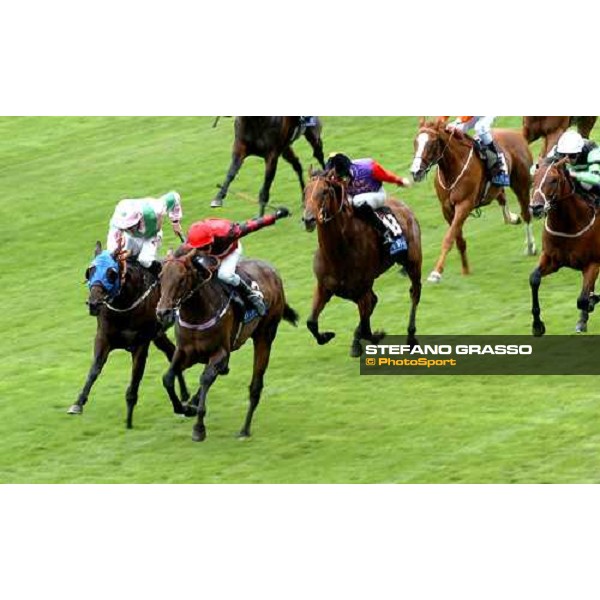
[132, 289]
[336, 236]
[203, 303]
[571, 212]
[454, 157]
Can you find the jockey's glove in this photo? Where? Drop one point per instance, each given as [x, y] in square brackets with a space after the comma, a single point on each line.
[282, 212]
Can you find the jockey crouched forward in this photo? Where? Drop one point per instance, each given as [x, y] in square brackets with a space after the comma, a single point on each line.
[366, 193]
[220, 238]
[136, 227]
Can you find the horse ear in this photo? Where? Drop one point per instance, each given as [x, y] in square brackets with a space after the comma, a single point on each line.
[442, 120]
[98, 248]
[421, 121]
[170, 254]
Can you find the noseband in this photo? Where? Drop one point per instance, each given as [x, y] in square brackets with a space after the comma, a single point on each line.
[324, 216]
[200, 283]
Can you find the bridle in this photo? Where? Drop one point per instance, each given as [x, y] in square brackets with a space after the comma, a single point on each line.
[324, 216]
[200, 283]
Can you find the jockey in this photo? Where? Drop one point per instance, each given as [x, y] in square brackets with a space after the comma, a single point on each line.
[495, 157]
[136, 225]
[583, 157]
[220, 238]
[365, 187]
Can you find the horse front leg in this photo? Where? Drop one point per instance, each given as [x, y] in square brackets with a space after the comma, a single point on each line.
[545, 267]
[461, 212]
[270, 172]
[321, 297]
[138, 357]
[175, 369]
[166, 346]
[237, 159]
[101, 352]
[366, 306]
[217, 364]
[587, 300]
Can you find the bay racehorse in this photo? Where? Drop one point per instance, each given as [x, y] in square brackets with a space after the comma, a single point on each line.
[350, 257]
[571, 237]
[210, 326]
[551, 128]
[269, 138]
[123, 296]
[462, 185]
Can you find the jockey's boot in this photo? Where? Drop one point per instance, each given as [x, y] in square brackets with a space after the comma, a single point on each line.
[496, 164]
[367, 214]
[155, 268]
[308, 122]
[253, 296]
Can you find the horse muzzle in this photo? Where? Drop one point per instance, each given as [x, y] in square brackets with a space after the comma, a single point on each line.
[94, 307]
[310, 223]
[418, 175]
[166, 316]
[537, 210]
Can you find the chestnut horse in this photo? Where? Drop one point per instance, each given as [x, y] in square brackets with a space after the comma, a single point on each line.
[551, 128]
[571, 238]
[462, 186]
[350, 257]
[269, 138]
[209, 328]
[123, 296]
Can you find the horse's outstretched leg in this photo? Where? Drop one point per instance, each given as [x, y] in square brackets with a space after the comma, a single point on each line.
[510, 218]
[237, 159]
[101, 352]
[175, 369]
[289, 155]
[138, 357]
[216, 365]
[321, 297]
[313, 137]
[461, 212]
[262, 353]
[270, 171]
[585, 126]
[545, 267]
[587, 301]
[165, 345]
[366, 306]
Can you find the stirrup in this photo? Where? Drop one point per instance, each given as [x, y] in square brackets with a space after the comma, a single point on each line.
[501, 179]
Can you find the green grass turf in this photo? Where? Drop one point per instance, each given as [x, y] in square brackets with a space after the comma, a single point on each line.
[318, 421]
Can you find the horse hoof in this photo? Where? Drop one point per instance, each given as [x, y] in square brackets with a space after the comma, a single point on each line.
[356, 350]
[242, 436]
[434, 277]
[189, 411]
[198, 435]
[581, 328]
[325, 338]
[76, 409]
[377, 337]
[530, 251]
[216, 203]
[539, 330]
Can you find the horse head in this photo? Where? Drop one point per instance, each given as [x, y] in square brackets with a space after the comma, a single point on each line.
[430, 144]
[103, 278]
[324, 198]
[182, 274]
[551, 183]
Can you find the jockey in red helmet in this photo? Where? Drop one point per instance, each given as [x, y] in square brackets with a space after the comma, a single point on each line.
[220, 238]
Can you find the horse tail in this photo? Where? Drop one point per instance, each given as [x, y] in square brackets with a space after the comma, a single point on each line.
[290, 315]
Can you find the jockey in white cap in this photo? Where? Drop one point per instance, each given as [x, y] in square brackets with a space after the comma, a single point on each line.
[136, 226]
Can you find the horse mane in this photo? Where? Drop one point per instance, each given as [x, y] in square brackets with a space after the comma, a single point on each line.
[440, 126]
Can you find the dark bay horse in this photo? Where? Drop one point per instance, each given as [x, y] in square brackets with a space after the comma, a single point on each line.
[210, 327]
[571, 238]
[269, 138]
[461, 183]
[551, 128]
[349, 257]
[123, 296]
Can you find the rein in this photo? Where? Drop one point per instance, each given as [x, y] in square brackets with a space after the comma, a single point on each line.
[135, 304]
[326, 217]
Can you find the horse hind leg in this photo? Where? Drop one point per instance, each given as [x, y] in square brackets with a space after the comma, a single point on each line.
[510, 218]
[262, 353]
[270, 172]
[289, 155]
[587, 300]
[101, 352]
[237, 159]
[313, 136]
[520, 183]
[138, 357]
[320, 298]
[366, 306]
[414, 272]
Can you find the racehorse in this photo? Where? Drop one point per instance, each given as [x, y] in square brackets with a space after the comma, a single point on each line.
[551, 128]
[210, 327]
[349, 257]
[269, 138]
[571, 238]
[123, 296]
[462, 185]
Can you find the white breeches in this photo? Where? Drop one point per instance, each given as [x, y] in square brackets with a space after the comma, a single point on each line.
[482, 126]
[228, 265]
[373, 199]
[145, 251]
